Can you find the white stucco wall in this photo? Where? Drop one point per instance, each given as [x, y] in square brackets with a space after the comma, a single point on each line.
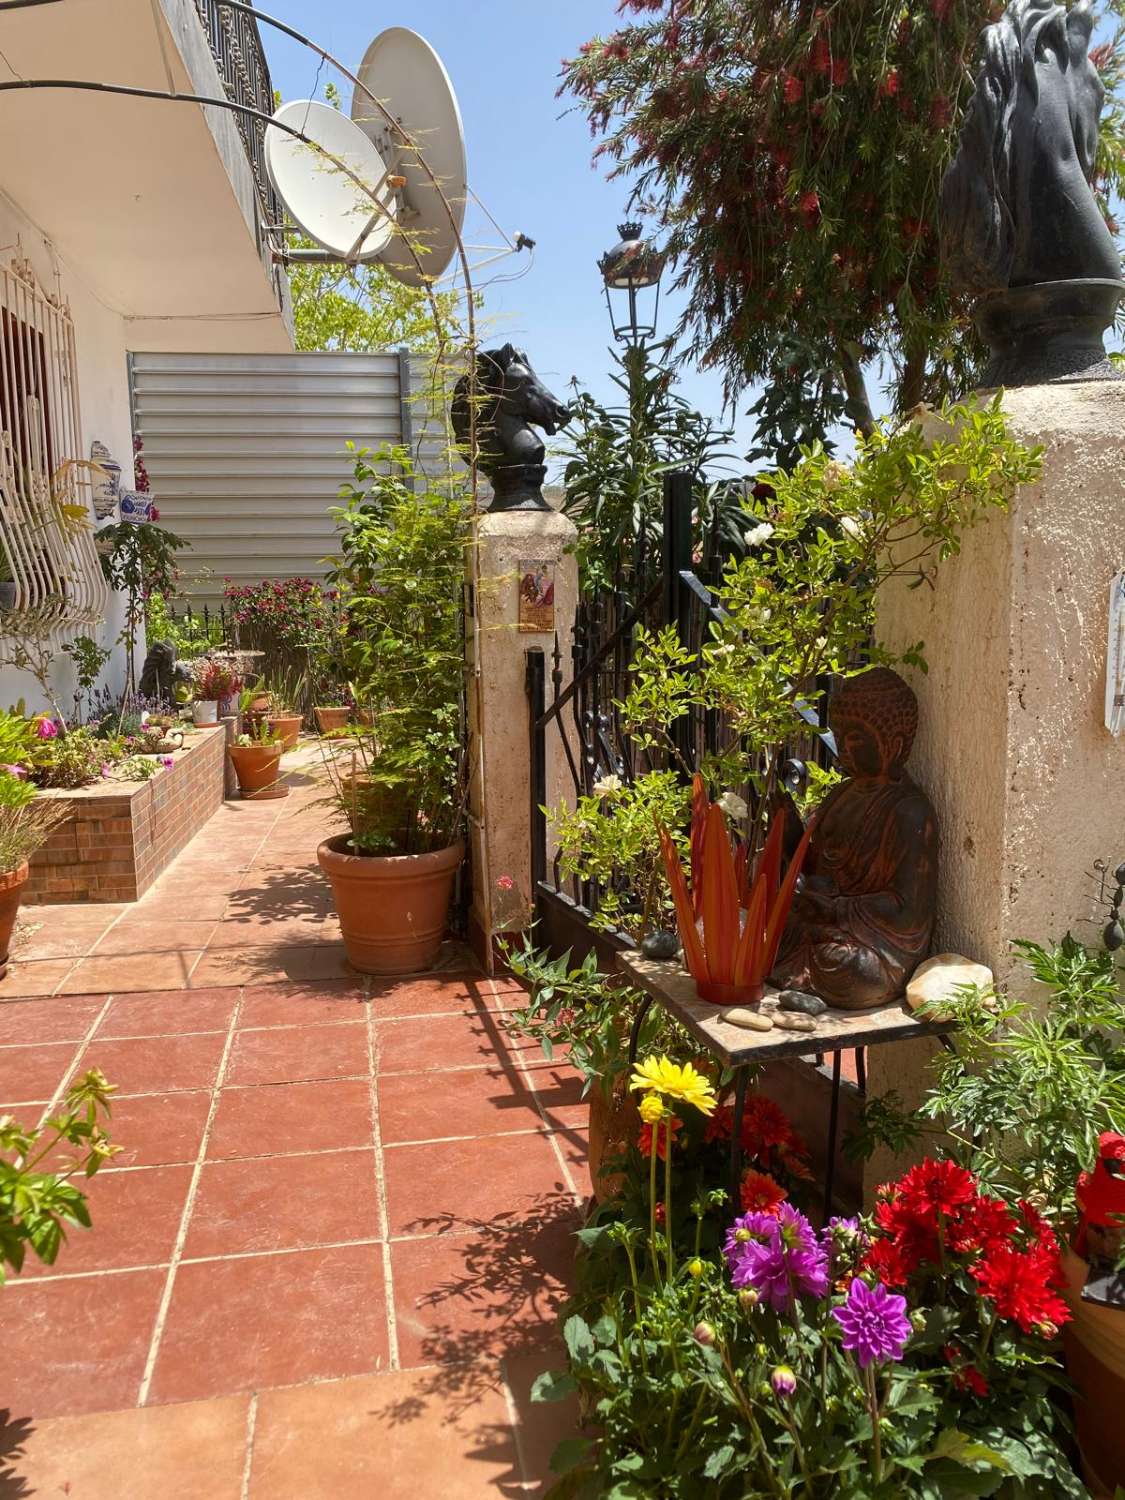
[103, 392]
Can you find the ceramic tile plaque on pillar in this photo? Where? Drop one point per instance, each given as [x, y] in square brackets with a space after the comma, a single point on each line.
[537, 595]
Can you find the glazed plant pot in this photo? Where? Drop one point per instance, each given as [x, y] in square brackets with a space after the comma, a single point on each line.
[11, 889]
[392, 908]
[288, 727]
[730, 994]
[1095, 1361]
[331, 718]
[614, 1126]
[205, 711]
[257, 768]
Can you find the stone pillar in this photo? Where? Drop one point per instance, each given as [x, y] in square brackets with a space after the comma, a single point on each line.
[1027, 782]
[500, 762]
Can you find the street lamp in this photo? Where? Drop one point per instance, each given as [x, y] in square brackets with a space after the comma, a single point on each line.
[632, 268]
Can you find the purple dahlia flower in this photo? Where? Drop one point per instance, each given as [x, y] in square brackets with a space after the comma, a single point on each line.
[779, 1257]
[874, 1321]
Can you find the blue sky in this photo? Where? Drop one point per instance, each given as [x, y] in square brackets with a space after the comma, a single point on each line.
[528, 162]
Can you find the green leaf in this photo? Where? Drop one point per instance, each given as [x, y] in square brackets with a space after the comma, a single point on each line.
[578, 1338]
[553, 1385]
[569, 1454]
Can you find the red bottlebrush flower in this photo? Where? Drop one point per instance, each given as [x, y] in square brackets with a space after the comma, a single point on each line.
[809, 206]
[1021, 1284]
[644, 1139]
[941, 112]
[840, 71]
[760, 1194]
[793, 90]
[888, 85]
[661, 1213]
[821, 57]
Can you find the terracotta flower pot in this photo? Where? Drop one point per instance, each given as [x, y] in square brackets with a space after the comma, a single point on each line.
[614, 1126]
[730, 994]
[331, 718]
[257, 768]
[288, 726]
[11, 889]
[393, 907]
[1095, 1359]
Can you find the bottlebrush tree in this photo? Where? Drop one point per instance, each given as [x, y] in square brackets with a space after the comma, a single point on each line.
[794, 154]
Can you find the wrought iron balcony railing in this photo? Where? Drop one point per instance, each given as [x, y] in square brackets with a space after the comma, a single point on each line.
[241, 60]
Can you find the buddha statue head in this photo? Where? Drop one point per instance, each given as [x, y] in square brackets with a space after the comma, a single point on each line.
[874, 718]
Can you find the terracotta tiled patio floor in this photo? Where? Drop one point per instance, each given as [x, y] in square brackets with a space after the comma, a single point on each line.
[327, 1261]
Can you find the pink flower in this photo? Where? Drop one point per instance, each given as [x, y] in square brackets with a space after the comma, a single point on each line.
[46, 729]
[167, 762]
[18, 772]
[505, 883]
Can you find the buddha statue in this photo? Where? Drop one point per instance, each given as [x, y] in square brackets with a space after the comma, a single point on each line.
[863, 917]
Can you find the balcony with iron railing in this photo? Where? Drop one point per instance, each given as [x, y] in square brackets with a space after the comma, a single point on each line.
[236, 46]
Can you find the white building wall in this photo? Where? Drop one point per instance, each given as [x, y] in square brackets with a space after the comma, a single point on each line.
[103, 391]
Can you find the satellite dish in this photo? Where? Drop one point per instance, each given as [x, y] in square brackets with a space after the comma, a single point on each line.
[341, 194]
[405, 74]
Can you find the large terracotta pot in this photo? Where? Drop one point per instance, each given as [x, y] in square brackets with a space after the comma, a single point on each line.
[1095, 1359]
[331, 718]
[288, 726]
[392, 907]
[258, 770]
[11, 889]
[614, 1126]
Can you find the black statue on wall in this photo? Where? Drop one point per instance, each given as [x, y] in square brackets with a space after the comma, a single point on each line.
[1020, 226]
[162, 673]
[509, 398]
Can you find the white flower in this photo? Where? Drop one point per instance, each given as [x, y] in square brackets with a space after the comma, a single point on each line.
[733, 805]
[849, 526]
[607, 786]
[834, 474]
[726, 649]
[758, 534]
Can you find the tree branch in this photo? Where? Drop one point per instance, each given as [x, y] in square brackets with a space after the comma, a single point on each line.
[857, 407]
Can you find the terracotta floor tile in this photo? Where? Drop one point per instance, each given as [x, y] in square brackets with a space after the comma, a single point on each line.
[170, 905]
[303, 1004]
[77, 1345]
[157, 1064]
[39, 977]
[298, 1054]
[266, 1320]
[435, 1189]
[240, 932]
[155, 935]
[542, 1425]
[284, 1203]
[404, 1435]
[136, 1217]
[270, 964]
[60, 931]
[124, 972]
[157, 1130]
[34, 1072]
[37, 1021]
[559, 1092]
[460, 1298]
[433, 1042]
[484, 1103]
[291, 1117]
[179, 1452]
[438, 994]
[169, 1013]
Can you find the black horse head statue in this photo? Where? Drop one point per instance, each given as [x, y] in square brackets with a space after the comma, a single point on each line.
[1021, 229]
[509, 399]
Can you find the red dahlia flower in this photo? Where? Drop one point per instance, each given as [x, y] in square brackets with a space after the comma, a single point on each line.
[759, 1193]
[1021, 1285]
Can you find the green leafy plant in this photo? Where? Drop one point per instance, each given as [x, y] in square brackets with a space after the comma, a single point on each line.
[26, 820]
[1030, 1083]
[17, 737]
[70, 759]
[400, 781]
[38, 1199]
[137, 560]
[89, 658]
[190, 634]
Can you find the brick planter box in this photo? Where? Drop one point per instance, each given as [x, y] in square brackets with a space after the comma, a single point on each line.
[123, 834]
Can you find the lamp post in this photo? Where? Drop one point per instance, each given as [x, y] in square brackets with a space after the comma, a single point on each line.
[631, 274]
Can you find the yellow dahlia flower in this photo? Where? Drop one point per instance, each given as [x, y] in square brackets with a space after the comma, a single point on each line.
[651, 1109]
[660, 1075]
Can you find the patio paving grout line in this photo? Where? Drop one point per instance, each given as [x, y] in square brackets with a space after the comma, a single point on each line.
[185, 1216]
[564, 1165]
[80, 1048]
[526, 1479]
[90, 952]
[248, 1462]
[381, 1193]
[61, 982]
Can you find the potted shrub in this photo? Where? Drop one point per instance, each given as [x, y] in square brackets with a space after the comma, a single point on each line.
[256, 759]
[286, 690]
[399, 786]
[214, 681]
[26, 823]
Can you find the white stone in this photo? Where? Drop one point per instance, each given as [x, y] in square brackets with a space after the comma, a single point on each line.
[792, 1020]
[749, 1020]
[940, 977]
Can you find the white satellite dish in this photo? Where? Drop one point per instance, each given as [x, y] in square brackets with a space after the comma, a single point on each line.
[338, 190]
[405, 74]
